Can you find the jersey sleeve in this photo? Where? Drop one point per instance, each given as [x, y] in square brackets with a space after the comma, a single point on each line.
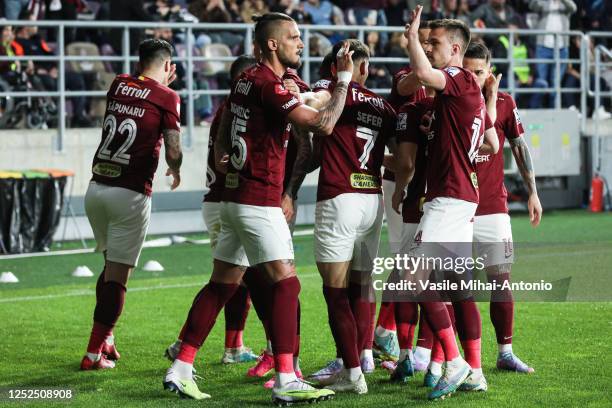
[456, 81]
[277, 97]
[514, 126]
[171, 114]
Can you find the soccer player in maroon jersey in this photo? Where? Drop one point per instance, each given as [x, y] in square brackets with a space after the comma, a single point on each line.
[140, 111]
[346, 242]
[404, 88]
[251, 147]
[237, 308]
[459, 125]
[492, 229]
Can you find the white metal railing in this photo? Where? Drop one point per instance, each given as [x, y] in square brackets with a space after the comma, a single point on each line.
[61, 93]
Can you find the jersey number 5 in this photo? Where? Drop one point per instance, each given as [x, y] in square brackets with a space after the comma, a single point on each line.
[240, 152]
[128, 126]
[370, 136]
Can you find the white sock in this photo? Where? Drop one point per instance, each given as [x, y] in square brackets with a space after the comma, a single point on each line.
[93, 356]
[403, 354]
[477, 371]
[435, 368]
[285, 378]
[110, 340]
[183, 370]
[382, 332]
[269, 347]
[422, 353]
[455, 363]
[366, 354]
[354, 373]
[504, 348]
[296, 363]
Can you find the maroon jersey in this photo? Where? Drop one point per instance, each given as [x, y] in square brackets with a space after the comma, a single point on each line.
[409, 117]
[490, 167]
[215, 181]
[259, 105]
[396, 100]
[292, 147]
[137, 110]
[458, 126]
[351, 157]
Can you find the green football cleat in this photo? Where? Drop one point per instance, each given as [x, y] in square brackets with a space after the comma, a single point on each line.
[430, 379]
[386, 347]
[450, 381]
[403, 371]
[299, 391]
[185, 388]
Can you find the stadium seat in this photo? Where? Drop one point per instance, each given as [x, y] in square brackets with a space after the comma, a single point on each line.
[215, 50]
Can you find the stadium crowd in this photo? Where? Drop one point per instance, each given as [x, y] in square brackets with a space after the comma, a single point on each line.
[556, 15]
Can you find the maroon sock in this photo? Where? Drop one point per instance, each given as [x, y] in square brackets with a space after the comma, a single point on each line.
[451, 314]
[469, 326]
[370, 339]
[406, 317]
[99, 284]
[260, 292]
[502, 311]
[283, 319]
[112, 298]
[236, 312]
[204, 311]
[296, 350]
[360, 307]
[344, 328]
[425, 337]
[99, 332]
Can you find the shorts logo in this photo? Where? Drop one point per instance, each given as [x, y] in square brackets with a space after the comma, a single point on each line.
[402, 118]
[508, 248]
[360, 180]
[474, 179]
[107, 170]
[231, 180]
[279, 89]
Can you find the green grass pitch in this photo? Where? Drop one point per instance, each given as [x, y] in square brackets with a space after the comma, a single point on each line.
[46, 318]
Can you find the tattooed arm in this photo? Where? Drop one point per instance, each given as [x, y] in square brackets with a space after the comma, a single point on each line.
[174, 155]
[520, 150]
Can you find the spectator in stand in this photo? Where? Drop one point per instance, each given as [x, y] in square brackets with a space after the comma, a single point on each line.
[369, 12]
[291, 8]
[495, 14]
[320, 11]
[214, 11]
[14, 8]
[554, 15]
[8, 69]
[44, 74]
[132, 10]
[458, 9]
[397, 48]
[378, 75]
[396, 12]
[165, 10]
[250, 8]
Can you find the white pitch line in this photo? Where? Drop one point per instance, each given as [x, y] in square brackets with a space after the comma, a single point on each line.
[89, 292]
[91, 250]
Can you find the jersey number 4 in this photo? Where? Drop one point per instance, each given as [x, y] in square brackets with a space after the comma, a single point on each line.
[127, 127]
[370, 136]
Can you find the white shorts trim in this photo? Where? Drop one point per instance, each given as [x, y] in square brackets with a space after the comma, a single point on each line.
[394, 220]
[252, 235]
[493, 238]
[119, 219]
[347, 228]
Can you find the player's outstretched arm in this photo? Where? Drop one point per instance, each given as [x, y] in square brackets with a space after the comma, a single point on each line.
[174, 155]
[425, 73]
[490, 145]
[405, 157]
[522, 157]
[323, 121]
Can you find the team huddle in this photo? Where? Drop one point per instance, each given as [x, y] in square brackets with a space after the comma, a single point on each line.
[444, 125]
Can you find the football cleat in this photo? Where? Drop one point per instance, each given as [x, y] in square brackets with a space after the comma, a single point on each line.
[332, 368]
[263, 367]
[298, 391]
[341, 382]
[270, 383]
[185, 388]
[238, 355]
[451, 380]
[508, 361]
[367, 365]
[403, 371]
[387, 346]
[474, 382]
[430, 379]
[101, 364]
[110, 351]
